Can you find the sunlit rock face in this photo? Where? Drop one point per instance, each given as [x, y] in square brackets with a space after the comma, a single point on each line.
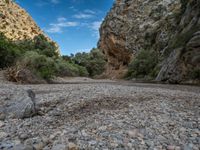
[16, 23]
[133, 25]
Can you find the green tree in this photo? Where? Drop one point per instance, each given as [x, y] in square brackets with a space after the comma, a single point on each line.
[40, 65]
[93, 61]
[9, 51]
[144, 65]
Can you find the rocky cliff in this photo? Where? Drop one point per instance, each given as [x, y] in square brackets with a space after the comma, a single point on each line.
[16, 23]
[169, 27]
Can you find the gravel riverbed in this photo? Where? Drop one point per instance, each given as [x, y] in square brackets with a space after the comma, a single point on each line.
[106, 115]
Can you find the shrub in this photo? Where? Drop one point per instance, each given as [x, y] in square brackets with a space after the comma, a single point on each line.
[45, 47]
[195, 74]
[9, 51]
[82, 71]
[44, 67]
[64, 68]
[41, 45]
[144, 65]
[94, 61]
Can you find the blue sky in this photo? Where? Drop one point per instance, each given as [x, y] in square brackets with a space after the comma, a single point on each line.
[73, 24]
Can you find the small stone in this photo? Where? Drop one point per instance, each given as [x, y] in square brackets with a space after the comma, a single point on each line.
[23, 136]
[59, 147]
[130, 145]
[102, 128]
[1, 124]
[22, 147]
[177, 148]
[45, 140]
[92, 142]
[84, 133]
[72, 146]
[3, 135]
[170, 147]
[149, 143]
[38, 146]
[133, 133]
[17, 142]
[2, 116]
[187, 147]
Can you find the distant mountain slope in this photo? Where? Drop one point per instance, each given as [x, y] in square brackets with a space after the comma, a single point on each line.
[169, 27]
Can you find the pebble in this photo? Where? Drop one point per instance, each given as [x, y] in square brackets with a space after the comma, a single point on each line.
[23, 147]
[72, 146]
[2, 116]
[23, 136]
[133, 133]
[92, 143]
[170, 147]
[3, 135]
[1, 124]
[59, 147]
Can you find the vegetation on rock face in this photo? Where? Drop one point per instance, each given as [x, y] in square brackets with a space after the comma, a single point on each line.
[41, 45]
[195, 74]
[144, 65]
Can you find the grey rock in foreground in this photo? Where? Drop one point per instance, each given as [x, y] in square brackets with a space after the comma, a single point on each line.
[17, 103]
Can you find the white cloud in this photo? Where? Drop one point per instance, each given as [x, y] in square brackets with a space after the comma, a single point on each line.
[61, 19]
[54, 29]
[83, 16]
[60, 24]
[94, 26]
[65, 24]
[73, 8]
[89, 11]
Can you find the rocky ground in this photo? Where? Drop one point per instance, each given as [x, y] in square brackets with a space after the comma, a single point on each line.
[90, 114]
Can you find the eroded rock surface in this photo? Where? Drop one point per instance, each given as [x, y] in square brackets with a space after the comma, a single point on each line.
[170, 27]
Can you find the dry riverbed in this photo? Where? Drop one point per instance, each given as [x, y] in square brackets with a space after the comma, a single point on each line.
[103, 114]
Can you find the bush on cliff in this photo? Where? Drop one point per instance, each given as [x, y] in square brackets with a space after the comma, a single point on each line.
[41, 45]
[144, 65]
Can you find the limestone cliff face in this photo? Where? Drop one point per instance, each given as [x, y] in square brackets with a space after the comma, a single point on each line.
[133, 25]
[16, 23]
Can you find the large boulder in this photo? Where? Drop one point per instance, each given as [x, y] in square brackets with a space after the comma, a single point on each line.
[16, 103]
